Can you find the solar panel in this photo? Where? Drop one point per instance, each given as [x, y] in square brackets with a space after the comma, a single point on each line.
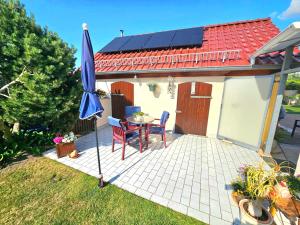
[165, 39]
[188, 37]
[135, 43]
[160, 40]
[116, 44]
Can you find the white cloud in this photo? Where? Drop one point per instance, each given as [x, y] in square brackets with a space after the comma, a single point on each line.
[292, 11]
[273, 14]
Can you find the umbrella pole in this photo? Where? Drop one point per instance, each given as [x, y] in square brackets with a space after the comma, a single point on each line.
[101, 184]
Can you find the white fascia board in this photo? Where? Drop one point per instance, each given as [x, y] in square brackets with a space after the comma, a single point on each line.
[194, 69]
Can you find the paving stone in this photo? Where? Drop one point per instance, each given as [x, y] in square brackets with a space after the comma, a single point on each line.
[161, 189]
[190, 176]
[143, 193]
[204, 217]
[160, 200]
[195, 201]
[196, 187]
[146, 184]
[204, 208]
[226, 216]
[152, 189]
[178, 207]
[168, 195]
[217, 221]
[129, 187]
[185, 201]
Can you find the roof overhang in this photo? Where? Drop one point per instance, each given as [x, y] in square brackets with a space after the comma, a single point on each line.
[196, 69]
[289, 37]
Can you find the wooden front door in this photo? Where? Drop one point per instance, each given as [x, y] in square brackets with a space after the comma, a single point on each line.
[193, 108]
[122, 94]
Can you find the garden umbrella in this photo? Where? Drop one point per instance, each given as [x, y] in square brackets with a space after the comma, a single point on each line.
[90, 106]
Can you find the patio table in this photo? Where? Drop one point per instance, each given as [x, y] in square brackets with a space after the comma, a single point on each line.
[144, 121]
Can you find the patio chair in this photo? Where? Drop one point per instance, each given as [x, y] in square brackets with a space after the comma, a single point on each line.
[296, 124]
[161, 127]
[123, 133]
[130, 110]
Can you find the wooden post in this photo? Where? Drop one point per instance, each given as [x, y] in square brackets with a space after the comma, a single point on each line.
[270, 111]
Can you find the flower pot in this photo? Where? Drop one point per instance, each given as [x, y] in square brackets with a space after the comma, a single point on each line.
[63, 149]
[247, 219]
[296, 203]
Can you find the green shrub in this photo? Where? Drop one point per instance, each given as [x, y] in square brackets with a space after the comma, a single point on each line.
[293, 84]
[33, 142]
[294, 185]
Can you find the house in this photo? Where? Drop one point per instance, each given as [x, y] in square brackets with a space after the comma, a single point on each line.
[216, 80]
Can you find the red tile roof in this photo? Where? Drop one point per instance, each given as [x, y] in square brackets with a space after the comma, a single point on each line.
[229, 44]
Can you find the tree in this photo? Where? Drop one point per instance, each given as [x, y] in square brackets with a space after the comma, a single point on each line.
[38, 65]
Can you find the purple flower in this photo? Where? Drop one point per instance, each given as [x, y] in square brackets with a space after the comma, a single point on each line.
[242, 169]
[58, 140]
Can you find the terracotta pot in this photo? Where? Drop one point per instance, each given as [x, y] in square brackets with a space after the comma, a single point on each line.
[63, 149]
[247, 219]
[288, 206]
[296, 203]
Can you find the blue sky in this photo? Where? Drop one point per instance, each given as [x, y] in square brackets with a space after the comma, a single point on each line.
[106, 18]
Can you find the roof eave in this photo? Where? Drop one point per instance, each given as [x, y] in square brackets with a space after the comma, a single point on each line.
[197, 69]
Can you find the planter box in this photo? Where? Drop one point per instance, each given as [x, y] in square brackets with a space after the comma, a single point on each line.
[64, 149]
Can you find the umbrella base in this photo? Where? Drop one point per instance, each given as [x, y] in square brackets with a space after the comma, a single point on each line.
[101, 182]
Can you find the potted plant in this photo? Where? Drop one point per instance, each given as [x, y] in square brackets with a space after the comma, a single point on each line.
[101, 93]
[281, 189]
[152, 86]
[239, 191]
[255, 182]
[293, 185]
[65, 144]
[139, 116]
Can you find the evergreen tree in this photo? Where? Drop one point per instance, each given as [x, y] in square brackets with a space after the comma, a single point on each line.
[47, 93]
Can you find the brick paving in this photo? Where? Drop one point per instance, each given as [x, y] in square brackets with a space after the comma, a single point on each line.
[192, 175]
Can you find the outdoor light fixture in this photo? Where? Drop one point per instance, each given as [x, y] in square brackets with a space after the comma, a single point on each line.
[135, 76]
[171, 86]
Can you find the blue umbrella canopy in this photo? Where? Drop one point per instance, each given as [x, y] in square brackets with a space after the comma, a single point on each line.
[90, 104]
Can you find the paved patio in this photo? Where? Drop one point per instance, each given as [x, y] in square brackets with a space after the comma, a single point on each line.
[191, 176]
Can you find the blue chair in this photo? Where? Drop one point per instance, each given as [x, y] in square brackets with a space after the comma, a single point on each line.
[161, 127]
[130, 110]
[123, 133]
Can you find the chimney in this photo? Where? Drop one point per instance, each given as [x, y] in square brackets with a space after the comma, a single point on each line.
[122, 33]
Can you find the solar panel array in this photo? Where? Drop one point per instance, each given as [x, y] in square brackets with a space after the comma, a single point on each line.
[159, 40]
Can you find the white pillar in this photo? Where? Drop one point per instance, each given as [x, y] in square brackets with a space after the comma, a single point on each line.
[283, 77]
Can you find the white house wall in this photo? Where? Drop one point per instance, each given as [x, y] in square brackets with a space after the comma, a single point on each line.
[156, 105]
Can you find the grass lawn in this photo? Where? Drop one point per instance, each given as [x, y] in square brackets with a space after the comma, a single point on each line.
[292, 109]
[42, 191]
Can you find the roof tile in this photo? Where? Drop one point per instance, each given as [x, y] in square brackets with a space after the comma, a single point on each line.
[246, 36]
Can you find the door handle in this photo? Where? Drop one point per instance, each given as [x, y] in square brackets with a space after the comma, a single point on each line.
[178, 111]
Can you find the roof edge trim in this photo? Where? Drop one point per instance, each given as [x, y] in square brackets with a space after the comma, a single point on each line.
[192, 69]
